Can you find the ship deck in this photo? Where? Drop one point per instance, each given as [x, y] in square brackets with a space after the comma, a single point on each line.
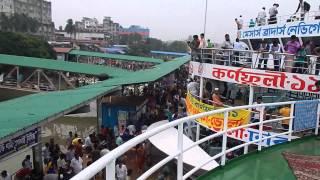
[267, 164]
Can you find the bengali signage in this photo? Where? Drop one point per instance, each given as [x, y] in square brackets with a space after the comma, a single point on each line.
[20, 142]
[298, 28]
[215, 122]
[249, 134]
[236, 118]
[260, 78]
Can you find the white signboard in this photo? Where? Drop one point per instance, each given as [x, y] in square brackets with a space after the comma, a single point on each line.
[298, 28]
[254, 77]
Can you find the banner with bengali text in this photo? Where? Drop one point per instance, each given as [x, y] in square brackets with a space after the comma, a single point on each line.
[215, 122]
[297, 28]
[256, 77]
[237, 118]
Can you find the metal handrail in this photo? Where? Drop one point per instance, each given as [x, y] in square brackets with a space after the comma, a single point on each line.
[311, 15]
[108, 161]
[246, 57]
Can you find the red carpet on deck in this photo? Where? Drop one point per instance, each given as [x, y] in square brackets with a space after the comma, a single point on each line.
[304, 167]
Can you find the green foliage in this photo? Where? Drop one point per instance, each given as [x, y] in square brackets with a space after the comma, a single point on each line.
[142, 47]
[176, 46]
[18, 23]
[70, 27]
[25, 45]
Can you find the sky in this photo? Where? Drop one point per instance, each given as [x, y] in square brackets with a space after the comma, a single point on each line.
[171, 19]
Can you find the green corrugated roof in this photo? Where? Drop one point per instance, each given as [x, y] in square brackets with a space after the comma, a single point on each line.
[60, 65]
[116, 56]
[23, 112]
[143, 76]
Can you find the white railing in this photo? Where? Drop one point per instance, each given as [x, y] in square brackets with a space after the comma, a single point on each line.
[259, 60]
[108, 161]
[310, 16]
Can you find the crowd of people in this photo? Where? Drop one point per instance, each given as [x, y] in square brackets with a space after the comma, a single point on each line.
[301, 58]
[262, 18]
[128, 65]
[165, 101]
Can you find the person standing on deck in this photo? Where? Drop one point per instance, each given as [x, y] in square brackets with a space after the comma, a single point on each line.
[304, 8]
[262, 17]
[228, 45]
[291, 48]
[216, 98]
[203, 43]
[273, 11]
[195, 51]
[274, 50]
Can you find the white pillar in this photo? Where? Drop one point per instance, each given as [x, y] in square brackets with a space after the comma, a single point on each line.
[261, 128]
[180, 156]
[224, 138]
[111, 170]
[317, 126]
[201, 97]
[251, 94]
[291, 122]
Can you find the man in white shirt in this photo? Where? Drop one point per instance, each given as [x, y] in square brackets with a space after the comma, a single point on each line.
[262, 17]
[121, 171]
[237, 46]
[257, 110]
[132, 129]
[5, 175]
[76, 164]
[88, 142]
[203, 42]
[227, 44]
[193, 87]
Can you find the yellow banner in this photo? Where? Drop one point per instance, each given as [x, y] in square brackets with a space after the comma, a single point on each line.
[215, 122]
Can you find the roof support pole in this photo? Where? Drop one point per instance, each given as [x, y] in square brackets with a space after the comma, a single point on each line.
[28, 78]
[59, 83]
[39, 78]
[48, 79]
[11, 72]
[18, 74]
[67, 81]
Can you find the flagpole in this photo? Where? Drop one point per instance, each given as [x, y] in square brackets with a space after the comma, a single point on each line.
[205, 18]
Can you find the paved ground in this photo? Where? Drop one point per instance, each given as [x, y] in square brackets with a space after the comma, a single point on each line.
[266, 165]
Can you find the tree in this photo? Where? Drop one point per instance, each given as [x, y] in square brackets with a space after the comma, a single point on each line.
[70, 27]
[18, 23]
[177, 46]
[25, 45]
[5, 22]
[155, 44]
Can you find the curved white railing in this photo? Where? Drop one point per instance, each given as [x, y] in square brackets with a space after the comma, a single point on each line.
[108, 161]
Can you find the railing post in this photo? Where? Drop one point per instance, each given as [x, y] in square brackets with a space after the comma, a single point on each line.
[245, 149]
[291, 122]
[318, 116]
[224, 139]
[261, 128]
[111, 170]
[198, 132]
[180, 149]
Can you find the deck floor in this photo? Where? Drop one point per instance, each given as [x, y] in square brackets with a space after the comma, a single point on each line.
[269, 164]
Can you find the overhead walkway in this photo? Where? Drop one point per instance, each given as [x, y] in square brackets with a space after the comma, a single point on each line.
[267, 164]
[22, 113]
[50, 64]
[116, 56]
